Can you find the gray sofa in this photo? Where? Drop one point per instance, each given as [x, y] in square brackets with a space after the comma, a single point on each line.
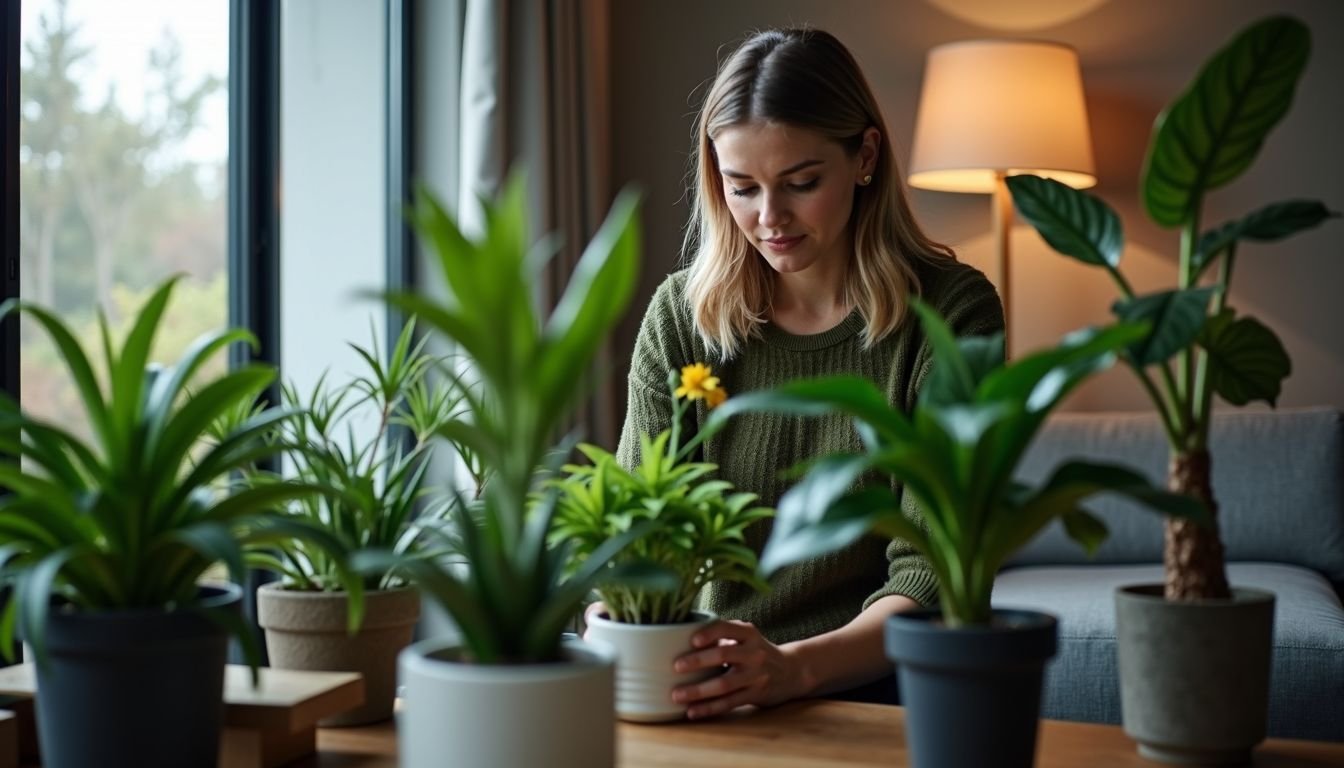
[1279, 481]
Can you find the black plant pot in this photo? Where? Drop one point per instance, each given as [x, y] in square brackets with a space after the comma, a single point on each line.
[972, 695]
[134, 688]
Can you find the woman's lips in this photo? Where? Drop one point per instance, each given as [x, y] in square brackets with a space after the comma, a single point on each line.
[782, 244]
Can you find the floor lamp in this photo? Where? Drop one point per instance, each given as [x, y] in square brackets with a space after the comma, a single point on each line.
[990, 109]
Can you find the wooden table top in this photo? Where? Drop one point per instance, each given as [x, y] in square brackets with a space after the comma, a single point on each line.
[818, 734]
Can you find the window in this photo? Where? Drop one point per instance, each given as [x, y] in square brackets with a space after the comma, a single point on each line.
[123, 158]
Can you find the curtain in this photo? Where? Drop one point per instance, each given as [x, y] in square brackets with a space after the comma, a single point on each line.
[535, 91]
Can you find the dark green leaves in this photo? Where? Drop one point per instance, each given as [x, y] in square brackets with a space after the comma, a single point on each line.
[1214, 130]
[1247, 361]
[1273, 222]
[1174, 317]
[1074, 223]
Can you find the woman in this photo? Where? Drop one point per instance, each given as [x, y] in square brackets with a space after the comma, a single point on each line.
[803, 254]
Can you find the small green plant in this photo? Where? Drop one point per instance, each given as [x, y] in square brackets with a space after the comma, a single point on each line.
[509, 592]
[374, 484]
[1197, 346]
[699, 521]
[133, 518]
[956, 456]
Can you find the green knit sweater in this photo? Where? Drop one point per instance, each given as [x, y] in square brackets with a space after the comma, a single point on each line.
[826, 593]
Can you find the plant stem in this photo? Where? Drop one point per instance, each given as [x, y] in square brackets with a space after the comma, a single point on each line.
[1164, 410]
[1203, 381]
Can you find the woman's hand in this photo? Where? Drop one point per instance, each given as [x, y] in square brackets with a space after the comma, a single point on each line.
[758, 671]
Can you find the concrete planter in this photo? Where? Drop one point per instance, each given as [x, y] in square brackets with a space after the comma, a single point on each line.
[506, 716]
[1194, 675]
[972, 695]
[307, 630]
[136, 688]
[644, 656]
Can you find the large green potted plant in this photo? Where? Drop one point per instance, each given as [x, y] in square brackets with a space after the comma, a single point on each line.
[969, 673]
[367, 443]
[1198, 346]
[103, 541]
[697, 538]
[507, 691]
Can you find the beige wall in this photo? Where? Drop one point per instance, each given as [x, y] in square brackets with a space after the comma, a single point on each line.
[1136, 56]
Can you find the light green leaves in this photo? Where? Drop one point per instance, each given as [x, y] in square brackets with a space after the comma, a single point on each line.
[1214, 130]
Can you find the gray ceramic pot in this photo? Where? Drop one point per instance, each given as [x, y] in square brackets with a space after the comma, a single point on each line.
[308, 630]
[972, 695]
[1194, 675]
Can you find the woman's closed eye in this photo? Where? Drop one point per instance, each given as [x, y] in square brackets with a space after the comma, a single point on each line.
[805, 186]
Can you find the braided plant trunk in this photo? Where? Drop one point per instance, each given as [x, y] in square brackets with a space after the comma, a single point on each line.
[1193, 554]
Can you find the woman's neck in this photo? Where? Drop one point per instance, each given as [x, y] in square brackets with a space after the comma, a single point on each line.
[810, 301]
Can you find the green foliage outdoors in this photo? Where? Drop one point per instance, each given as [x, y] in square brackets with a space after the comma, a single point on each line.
[956, 456]
[699, 523]
[132, 518]
[373, 485]
[513, 596]
[1197, 345]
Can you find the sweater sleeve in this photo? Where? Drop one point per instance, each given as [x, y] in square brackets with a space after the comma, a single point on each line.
[971, 307]
[658, 350]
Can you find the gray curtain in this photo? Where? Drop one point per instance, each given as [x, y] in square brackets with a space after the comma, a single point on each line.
[535, 91]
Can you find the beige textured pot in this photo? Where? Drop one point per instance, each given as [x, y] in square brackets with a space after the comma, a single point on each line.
[506, 715]
[307, 630]
[644, 657]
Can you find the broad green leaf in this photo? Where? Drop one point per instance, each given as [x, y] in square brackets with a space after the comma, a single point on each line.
[128, 375]
[1272, 222]
[1086, 529]
[1175, 317]
[856, 396]
[1074, 223]
[1246, 360]
[802, 533]
[1214, 130]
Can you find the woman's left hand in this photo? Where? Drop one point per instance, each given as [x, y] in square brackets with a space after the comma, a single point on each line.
[758, 671]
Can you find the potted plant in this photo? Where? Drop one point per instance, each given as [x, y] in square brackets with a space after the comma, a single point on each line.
[507, 691]
[969, 674]
[1197, 346]
[103, 541]
[374, 497]
[697, 538]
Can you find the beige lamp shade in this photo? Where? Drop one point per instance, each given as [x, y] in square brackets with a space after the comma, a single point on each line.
[991, 107]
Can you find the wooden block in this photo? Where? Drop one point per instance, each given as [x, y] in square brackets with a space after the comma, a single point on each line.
[9, 740]
[266, 726]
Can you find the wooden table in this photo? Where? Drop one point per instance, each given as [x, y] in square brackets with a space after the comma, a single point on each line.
[818, 734]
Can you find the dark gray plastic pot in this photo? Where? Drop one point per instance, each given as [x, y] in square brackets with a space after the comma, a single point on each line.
[972, 695]
[138, 689]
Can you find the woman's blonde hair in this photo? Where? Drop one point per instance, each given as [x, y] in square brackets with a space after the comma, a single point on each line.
[805, 78]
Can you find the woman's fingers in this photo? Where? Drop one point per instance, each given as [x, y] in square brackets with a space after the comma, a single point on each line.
[734, 680]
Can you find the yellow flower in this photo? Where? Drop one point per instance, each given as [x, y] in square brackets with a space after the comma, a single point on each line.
[697, 381]
[716, 397]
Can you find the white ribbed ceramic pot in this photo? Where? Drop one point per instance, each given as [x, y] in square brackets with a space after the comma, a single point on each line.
[644, 657]
[556, 715]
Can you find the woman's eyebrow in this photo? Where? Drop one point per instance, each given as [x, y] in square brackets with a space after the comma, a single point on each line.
[796, 167]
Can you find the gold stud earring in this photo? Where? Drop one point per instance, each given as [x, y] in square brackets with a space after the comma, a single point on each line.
[867, 180]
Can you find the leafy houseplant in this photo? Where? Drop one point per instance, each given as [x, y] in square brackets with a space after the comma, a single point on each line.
[103, 543]
[511, 597]
[956, 456]
[697, 536]
[1198, 346]
[374, 482]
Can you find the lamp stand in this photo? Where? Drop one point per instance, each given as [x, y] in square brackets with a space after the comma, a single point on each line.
[1003, 231]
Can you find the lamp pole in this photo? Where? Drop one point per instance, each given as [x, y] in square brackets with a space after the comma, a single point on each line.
[1003, 232]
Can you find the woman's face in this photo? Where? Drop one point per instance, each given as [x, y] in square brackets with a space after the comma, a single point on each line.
[791, 191]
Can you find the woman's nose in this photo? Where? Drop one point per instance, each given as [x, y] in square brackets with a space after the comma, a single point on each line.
[773, 212]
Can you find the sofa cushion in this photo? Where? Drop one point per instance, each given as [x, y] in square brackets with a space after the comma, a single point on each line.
[1082, 683]
[1278, 478]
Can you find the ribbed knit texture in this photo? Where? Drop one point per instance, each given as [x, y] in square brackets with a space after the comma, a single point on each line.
[826, 593]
